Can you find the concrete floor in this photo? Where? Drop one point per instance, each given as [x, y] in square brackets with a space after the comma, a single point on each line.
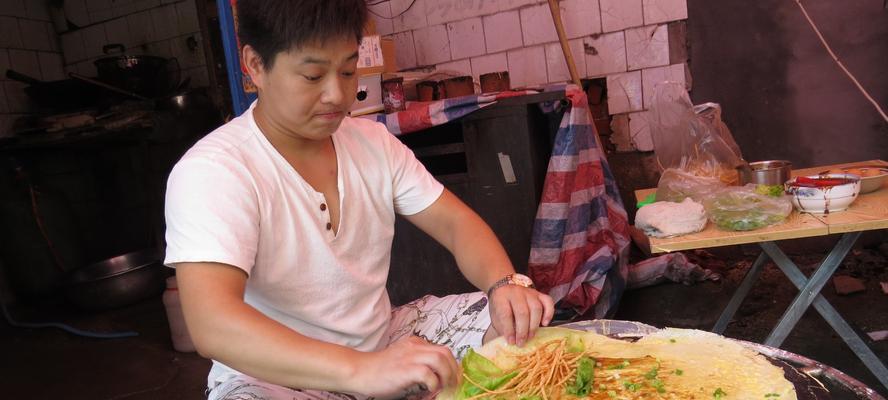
[49, 363]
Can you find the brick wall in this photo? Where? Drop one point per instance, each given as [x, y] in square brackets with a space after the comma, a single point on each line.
[633, 44]
[28, 44]
[164, 28]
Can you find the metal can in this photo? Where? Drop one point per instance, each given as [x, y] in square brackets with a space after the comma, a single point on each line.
[393, 95]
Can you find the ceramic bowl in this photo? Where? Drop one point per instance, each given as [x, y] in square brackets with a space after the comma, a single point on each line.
[871, 179]
[823, 194]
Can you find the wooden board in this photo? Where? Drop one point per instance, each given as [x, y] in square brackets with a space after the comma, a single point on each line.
[870, 211]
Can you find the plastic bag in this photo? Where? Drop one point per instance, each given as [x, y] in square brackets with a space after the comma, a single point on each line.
[692, 138]
[741, 208]
[676, 185]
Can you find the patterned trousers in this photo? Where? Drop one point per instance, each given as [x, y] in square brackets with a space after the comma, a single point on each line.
[457, 321]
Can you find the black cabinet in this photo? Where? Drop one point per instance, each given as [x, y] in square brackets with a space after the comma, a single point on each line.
[495, 160]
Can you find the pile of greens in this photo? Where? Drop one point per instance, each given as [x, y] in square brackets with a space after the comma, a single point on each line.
[747, 208]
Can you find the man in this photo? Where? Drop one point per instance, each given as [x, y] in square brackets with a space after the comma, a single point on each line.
[280, 223]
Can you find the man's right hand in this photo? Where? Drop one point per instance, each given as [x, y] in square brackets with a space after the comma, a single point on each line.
[406, 364]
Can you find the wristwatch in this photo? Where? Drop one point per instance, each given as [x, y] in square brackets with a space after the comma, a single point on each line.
[511, 279]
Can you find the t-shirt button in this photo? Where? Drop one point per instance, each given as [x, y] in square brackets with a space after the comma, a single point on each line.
[323, 207]
[329, 226]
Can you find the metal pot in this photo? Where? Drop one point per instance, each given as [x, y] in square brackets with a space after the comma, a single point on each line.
[117, 281]
[148, 76]
[772, 172]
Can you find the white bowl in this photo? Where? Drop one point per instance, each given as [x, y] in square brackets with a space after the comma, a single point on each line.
[823, 199]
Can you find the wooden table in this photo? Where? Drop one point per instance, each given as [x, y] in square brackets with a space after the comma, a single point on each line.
[868, 212]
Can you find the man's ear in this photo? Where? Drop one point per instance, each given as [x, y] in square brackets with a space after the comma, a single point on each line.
[254, 65]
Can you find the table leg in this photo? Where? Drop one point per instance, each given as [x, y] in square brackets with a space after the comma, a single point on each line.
[740, 294]
[811, 288]
[827, 311]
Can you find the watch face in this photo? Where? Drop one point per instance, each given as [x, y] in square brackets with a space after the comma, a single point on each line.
[522, 280]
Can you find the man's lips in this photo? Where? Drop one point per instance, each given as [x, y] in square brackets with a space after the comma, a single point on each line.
[329, 114]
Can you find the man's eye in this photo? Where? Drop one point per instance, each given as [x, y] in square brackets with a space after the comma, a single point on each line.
[312, 78]
[348, 74]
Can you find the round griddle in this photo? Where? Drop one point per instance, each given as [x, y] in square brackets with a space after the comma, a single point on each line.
[813, 380]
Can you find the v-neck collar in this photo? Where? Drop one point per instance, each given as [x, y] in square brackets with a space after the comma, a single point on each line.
[302, 182]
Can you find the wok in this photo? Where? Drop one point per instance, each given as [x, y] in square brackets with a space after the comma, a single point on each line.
[148, 76]
[62, 95]
[812, 380]
[118, 281]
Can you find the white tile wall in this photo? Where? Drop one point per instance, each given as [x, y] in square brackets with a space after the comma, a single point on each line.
[557, 66]
[658, 11]
[408, 19]
[580, 17]
[165, 22]
[37, 9]
[141, 27]
[187, 57]
[14, 8]
[10, 36]
[621, 137]
[640, 131]
[443, 11]
[620, 14]
[490, 63]
[17, 100]
[54, 44]
[605, 54]
[537, 25]
[26, 62]
[432, 45]
[51, 66]
[72, 47]
[4, 61]
[94, 38]
[527, 66]
[34, 35]
[466, 38]
[502, 31]
[652, 76]
[504, 5]
[405, 51]
[4, 106]
[99, 10]
[117, 31]
[647, 46]
[381, 14]
[461, 67]
[624, 93]
[76, 12]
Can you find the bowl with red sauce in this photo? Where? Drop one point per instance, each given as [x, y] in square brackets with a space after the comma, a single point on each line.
[823, 194]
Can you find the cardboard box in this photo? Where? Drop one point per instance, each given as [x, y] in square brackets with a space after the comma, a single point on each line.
[376, 55]
[369, 96]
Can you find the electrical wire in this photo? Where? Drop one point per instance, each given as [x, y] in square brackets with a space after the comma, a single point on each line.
[394, 16]
[842, 66]
[66, 328]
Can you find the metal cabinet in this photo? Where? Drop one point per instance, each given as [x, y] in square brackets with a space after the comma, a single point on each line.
[495, 160]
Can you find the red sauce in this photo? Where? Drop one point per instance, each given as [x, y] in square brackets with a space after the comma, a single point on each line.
[820, 182]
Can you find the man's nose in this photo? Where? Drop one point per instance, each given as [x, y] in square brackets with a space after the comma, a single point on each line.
[333, 91]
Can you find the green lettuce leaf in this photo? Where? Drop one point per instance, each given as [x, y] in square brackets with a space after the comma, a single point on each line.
[483, 371]
[582, 386]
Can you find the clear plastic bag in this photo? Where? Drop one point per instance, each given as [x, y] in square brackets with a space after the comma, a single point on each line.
[676, 185]
[741, 208]
[692, 138]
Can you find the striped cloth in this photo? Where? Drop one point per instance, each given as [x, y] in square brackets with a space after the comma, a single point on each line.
[420, 115]
[580, 241]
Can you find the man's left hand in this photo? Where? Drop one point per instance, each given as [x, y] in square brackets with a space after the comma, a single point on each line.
[516, 312]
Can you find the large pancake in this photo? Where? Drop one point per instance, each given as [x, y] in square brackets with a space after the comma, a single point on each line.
[691, 364]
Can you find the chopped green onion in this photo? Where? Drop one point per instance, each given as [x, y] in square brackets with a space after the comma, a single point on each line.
[679, 372]
[718, 393]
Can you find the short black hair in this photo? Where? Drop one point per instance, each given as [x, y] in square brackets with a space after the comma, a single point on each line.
[273, 26]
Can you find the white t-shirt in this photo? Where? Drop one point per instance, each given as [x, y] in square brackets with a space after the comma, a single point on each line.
[234, 199]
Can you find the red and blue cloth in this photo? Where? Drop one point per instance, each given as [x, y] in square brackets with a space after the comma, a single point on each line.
[580, 240]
